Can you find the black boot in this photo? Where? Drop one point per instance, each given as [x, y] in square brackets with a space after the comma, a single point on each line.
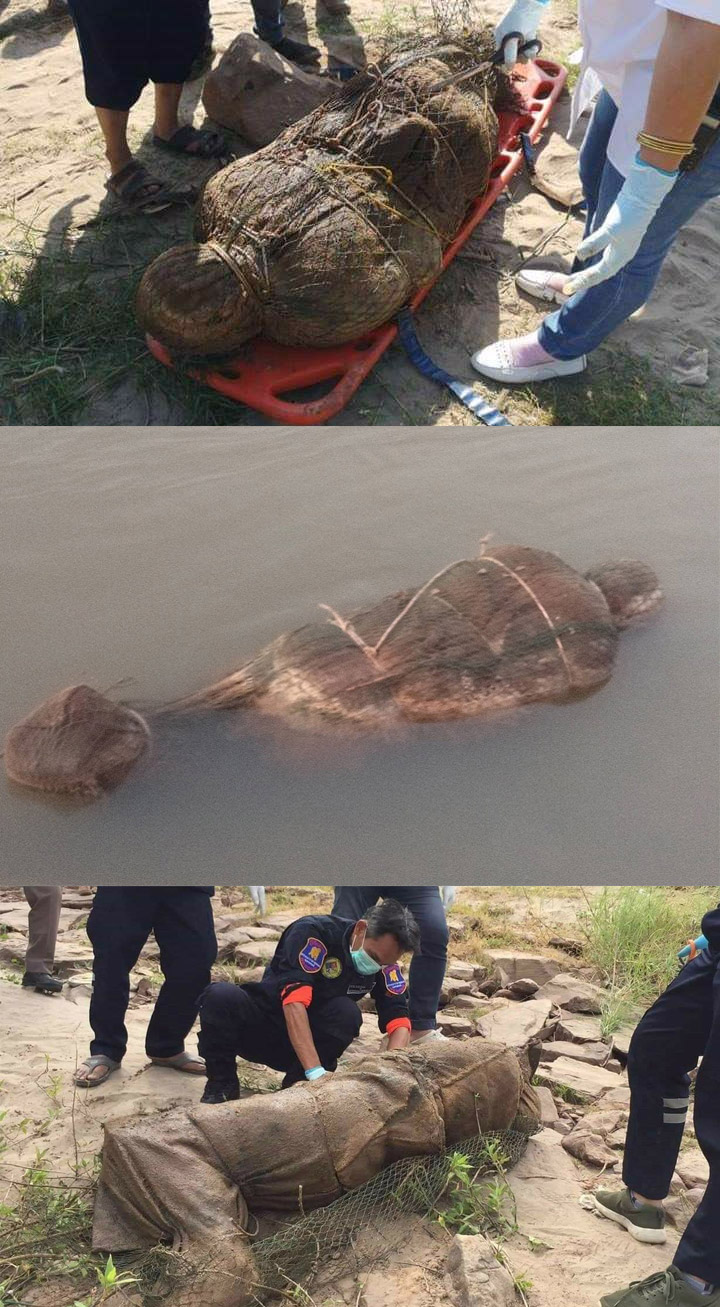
[221, 1091]
[42, 982]
[296, 51]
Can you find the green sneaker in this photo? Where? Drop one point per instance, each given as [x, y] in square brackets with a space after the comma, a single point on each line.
[646, 1223]
[659, 1290]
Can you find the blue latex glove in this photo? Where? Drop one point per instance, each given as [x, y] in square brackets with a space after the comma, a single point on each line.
[522, 16]
[315, 1073]
[700, 944]
[448, 893]
[621, 234]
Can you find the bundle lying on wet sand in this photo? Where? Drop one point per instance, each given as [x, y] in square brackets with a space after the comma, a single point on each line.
[190, 1176]
[512, 627]
[325, 233]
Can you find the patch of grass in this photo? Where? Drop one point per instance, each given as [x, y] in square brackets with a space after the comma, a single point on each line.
[633, 935]
[47, 1233]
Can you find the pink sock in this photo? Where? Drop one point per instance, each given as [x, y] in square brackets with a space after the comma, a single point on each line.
[527, 352]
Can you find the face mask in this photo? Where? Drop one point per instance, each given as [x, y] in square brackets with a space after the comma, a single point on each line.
[363, 963]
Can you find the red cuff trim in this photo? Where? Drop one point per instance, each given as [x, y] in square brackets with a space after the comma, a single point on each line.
[302, 995]
[400, 1023]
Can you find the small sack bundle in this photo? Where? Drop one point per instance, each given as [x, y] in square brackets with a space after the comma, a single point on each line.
[77, 742]
[323, 235]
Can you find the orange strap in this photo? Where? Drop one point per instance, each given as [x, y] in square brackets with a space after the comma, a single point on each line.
[303, 994]
[400, 1023]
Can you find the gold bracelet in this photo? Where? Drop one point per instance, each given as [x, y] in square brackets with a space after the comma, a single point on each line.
[658, 143]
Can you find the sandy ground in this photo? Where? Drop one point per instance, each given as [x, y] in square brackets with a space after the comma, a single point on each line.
[52, 176]
[565, 1250]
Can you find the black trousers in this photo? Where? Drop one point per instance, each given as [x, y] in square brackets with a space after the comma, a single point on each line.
[427, 970]
[679, 1029]
[235, 1021]
[119, 924]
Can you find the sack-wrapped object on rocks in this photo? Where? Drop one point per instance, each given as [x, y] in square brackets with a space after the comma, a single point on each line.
[190, 1176]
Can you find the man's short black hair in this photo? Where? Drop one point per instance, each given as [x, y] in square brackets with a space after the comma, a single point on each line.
[391, 918]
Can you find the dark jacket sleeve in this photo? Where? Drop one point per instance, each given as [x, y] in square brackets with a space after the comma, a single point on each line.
[390, 993]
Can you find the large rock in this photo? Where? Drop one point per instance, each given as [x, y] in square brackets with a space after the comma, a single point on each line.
[589, 1148]
[455, 1027]
[229, 940]
[594, 1054]
[680, 1209]
[548, 1110]
[693, 1168]
[572, 994]
[255, 952]
[521, 966]
[452, 988]
[514, 1024]
[257, 93]
[579, 1028]
[587, 1081]
[462, 970]
[478, 1277]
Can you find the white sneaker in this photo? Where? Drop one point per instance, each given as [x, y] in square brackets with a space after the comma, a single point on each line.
[537, 282]
[421, 1036]
[496, 362]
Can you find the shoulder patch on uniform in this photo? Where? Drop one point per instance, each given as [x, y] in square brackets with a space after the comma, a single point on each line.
[332, 968]
[395, 982]
[312, 955]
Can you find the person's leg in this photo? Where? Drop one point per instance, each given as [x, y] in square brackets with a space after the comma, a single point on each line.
[666, 1046]
[698, 1253]
[269, 23]
[427, 969]
[353, 901]
[234, 1024]
[45, 903]
[177, 34]
[334, 1026]
[112, 45]
[587, 319]
[592, 157]
[185, 934]
[119, 924]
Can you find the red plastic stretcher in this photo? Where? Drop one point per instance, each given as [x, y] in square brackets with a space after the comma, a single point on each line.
[265, 372]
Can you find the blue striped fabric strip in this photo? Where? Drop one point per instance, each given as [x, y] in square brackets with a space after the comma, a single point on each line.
[478, 406]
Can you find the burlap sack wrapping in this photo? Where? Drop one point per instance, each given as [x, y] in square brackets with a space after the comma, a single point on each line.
[187, 1176]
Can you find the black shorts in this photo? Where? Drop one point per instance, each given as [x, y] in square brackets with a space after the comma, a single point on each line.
[127, 43]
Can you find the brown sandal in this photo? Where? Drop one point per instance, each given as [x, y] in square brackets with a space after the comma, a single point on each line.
[139, 192]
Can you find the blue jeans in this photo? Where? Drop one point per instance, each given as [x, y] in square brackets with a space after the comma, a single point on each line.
[587, 319]
[427, 970]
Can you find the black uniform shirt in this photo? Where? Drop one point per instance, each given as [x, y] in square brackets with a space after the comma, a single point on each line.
[313, 955]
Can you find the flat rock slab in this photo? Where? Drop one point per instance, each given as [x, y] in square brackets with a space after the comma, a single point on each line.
[579, 1028]
[594, 1054]
[255, 951]
[455, 1027]
[17, 919]
[589, 1081]
[693, 1168]
[461, 971]
[573, 995]
[514, 1024]
[548, 1111]
[524, 966]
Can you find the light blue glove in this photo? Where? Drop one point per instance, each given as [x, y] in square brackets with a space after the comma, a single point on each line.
[522, 16]
[622, 232]
[257, 894]
[315, 1073]
[448, 893]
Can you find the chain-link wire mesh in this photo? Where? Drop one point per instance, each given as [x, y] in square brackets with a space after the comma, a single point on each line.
[415, 1185]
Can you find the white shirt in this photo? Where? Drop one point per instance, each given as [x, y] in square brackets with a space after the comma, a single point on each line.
[621, 40]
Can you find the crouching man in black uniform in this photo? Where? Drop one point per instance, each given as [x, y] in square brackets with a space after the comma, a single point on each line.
[304, 1012]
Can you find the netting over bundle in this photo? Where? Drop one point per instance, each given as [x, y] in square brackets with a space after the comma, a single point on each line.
[414, 1186]
[324, 234]
[514, 626]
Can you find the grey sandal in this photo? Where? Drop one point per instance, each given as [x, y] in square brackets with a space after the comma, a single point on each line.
[194, 1066]
[90, 1063]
